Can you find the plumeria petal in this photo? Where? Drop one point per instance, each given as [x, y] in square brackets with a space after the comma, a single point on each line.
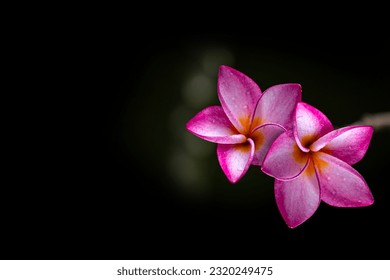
[212, 124]
[298, 199]
[324, 140]
[348, 143]
[238, 95]
[285, 160]
[264, 136]
[310, 125]
[277, 105]
[340, 184]
[235, 159]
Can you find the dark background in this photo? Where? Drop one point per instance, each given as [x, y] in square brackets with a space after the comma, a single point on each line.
[117, 176]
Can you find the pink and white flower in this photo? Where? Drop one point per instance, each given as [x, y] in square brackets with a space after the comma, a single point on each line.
[248, 121]
[313, 162]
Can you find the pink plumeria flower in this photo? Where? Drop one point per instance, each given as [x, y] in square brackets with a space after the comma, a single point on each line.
[313, 163]
[247, 122]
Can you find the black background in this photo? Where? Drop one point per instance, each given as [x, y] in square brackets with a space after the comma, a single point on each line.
[97, 184]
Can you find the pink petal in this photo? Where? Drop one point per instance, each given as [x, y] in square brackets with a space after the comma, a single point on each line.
[263, 137]
[311, 124]
[238, 95]
[211, 124]
[285, 160]
[348, 143]
[298, 199]
[340, 184]
[277, 105]
[235, 159]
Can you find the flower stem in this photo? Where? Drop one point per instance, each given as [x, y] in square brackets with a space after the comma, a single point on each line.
[378, 120]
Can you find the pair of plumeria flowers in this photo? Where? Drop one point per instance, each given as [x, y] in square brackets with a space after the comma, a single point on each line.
[292, 141]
